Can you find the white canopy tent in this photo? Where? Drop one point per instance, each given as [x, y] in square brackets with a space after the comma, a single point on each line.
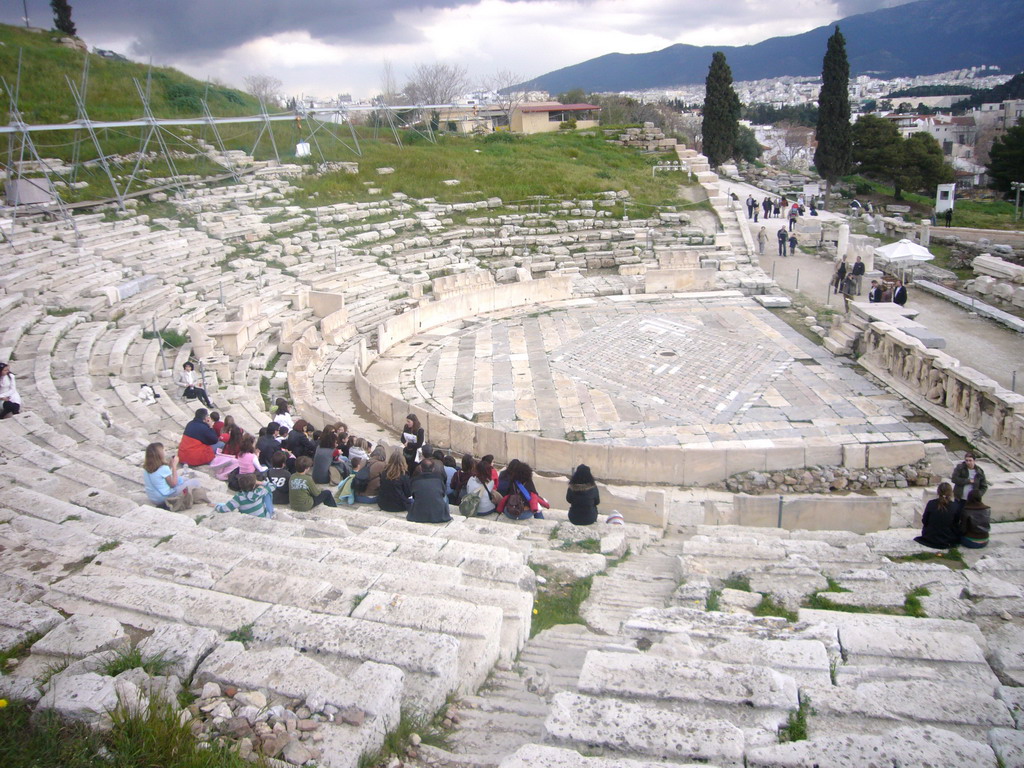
[903, 254]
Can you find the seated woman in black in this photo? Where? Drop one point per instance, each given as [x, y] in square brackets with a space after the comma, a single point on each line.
[583, 497]
[429, 500]
[298, 441]
[941, 521]
[395, 488]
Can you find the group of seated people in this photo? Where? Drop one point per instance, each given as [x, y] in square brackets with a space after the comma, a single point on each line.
[958, 517]
[291, 463]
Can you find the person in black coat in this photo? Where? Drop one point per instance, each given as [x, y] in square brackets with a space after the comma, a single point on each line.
[583, 497]
[941, 520]
[858, 273]
[395, 490]
[875, 294]
[298, 442]
[899, 295]
[429, 497]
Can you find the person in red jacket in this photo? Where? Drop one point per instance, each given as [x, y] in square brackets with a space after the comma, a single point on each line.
[199, 443]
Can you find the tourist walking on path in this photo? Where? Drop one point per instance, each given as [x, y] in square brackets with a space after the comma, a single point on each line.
[941, 520]
[794, 212]
[792, 244]
[858, 273]
[766, 206]
[9, 397]
[977, 520]
[781, 235]
[583, 497]
[750, 206]
[899, 295]
[193, 385]
[968, 476]
[762, 241]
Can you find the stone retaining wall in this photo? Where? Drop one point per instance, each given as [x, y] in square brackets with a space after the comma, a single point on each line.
[970, 402]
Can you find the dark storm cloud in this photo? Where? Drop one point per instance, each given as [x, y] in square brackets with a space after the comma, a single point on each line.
[846, 8]
[205, 28]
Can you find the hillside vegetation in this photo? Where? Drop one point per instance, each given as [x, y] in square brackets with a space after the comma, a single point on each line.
[45, 97]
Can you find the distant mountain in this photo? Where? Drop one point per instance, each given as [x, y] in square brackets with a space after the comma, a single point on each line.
[919, 38]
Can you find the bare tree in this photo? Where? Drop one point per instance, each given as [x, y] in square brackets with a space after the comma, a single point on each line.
[389, 93]
[793, 145]
[507, 97]
[265, 88]
[436, 83]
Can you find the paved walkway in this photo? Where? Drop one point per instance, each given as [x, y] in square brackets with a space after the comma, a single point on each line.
[979, 343]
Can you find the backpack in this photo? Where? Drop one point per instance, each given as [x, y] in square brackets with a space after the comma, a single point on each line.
[516, 506]
[361, 480]
[470, 504]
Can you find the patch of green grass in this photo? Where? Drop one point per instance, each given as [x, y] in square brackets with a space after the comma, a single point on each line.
[770, 607]
[397, 743]
[795, 728]
[53, 668]
[619, 560]
[108, 545]
[242, 635]
[169, 336]
[397, 296]
[833, 585]
[591, 546]
[558, 602]
[70, 519]
[742, 583]
[912, 605]
[164, 539]
[265, 392]
[62, 311]
[712, 603]
[17, 651]
[132, 658]
[272, 363]
[952, 558]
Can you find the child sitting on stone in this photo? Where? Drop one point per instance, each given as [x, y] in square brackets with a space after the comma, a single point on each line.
[254, 498]
[278, 476]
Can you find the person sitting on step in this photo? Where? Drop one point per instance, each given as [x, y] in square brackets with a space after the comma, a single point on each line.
[193, 385]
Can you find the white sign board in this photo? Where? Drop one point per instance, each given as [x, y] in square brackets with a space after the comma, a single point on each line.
[302, 149]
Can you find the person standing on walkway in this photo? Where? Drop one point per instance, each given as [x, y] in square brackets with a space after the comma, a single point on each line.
[858, 273]
[840, 276]
[781, 234]
[968, 476]
[875, 294]
[793, 213]
[948, 216]
[762, 241]
[766, 206]
[899, 295]
[792, 244]
[750, 206]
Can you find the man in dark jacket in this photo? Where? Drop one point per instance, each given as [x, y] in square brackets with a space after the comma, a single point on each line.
[899, 295]
[875, 294]
[858, 273]
[968, 476]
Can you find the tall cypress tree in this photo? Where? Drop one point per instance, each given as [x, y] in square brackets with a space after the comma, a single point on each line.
[721, 125]
[833, 156]
[62, 17]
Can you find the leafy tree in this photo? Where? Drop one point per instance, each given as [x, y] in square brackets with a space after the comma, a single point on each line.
[62, 17]
[572, 96]
[1006, 158]
[721, 112]
[921, 164]
[834, 153]
[747, 145]
[913, 164]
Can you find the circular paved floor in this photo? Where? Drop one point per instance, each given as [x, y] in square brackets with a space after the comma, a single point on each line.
[644, 370]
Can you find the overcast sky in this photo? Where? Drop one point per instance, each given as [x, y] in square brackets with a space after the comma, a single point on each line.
[326, 47]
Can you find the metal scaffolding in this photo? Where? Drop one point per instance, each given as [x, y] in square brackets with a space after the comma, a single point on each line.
[22, 149]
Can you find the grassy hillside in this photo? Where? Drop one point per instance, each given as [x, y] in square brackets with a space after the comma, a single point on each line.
[45, 97]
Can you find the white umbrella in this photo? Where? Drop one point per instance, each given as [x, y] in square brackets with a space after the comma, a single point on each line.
[904, 251]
